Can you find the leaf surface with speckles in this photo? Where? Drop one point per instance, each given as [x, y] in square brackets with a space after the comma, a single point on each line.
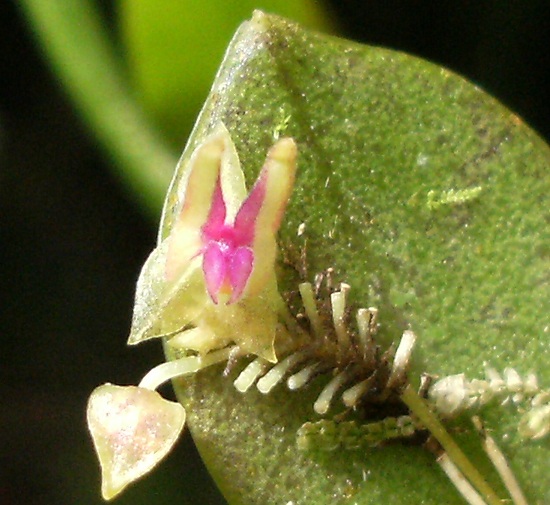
[425, 195]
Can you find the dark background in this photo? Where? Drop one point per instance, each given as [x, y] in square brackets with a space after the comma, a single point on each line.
[72, 240]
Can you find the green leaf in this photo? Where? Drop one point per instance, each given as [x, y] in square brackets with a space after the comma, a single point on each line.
[79, 49]
[425, 195]
[174, 49]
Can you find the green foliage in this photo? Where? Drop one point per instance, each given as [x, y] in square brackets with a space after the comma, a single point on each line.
[76, 42]
[379, 134]
[420, 191]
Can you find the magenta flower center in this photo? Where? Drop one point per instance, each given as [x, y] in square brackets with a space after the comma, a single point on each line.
[227, 248]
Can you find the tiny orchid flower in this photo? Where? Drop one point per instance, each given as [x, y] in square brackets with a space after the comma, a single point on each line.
[234, 233]
[212, 281]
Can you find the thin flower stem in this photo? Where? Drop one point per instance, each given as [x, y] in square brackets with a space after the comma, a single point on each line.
[459, 481]
[182, 366]
[430, 421]
[499, 461]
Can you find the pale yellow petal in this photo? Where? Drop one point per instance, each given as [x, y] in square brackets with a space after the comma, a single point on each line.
[185, 237]
[279, 170]
[163, 307]
[232, 177]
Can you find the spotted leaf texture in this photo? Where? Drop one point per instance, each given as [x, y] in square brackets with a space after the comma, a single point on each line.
[430, 199]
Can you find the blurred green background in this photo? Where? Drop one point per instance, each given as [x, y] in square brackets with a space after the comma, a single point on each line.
[74, 231]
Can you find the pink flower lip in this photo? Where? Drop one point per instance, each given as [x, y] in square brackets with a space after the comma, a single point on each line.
[228, 258]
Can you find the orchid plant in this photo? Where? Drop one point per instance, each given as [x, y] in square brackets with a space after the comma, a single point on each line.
[211, 287]
[414, 180]
[210, 290]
